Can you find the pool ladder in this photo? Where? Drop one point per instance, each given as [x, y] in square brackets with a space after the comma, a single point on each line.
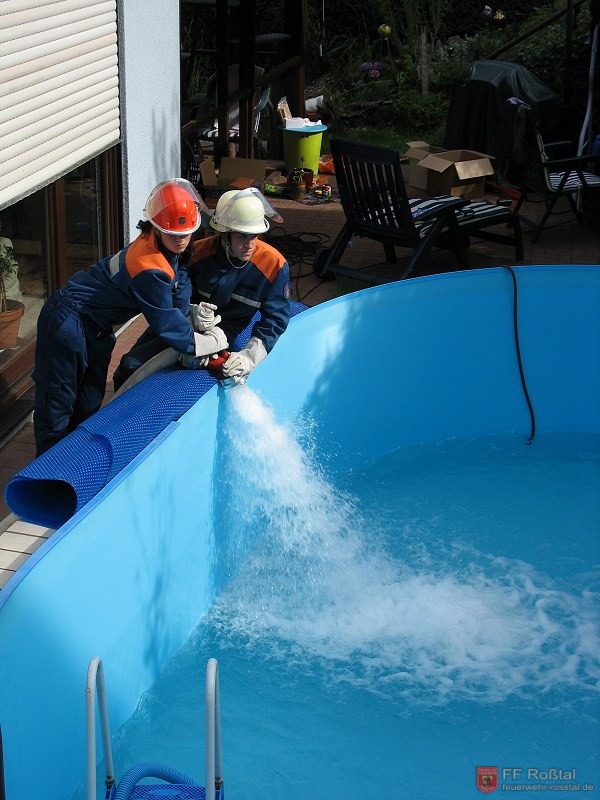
[178, 786]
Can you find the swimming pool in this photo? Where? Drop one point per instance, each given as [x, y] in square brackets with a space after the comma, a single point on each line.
[424, 361]
[399, 604]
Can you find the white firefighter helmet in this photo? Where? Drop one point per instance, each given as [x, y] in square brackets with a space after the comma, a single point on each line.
[244, 211]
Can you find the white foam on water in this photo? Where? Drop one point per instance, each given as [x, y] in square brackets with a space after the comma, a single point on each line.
[318, 583]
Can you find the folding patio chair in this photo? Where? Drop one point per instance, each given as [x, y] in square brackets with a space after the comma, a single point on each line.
[543, 172]
[376, 206]
[203, 127]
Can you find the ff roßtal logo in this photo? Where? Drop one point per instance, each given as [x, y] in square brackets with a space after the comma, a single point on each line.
[487, 779]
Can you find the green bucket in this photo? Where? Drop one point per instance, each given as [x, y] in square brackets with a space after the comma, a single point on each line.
[301, 149]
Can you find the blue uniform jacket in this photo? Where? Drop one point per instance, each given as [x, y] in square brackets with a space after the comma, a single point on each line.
[261, 284]
[139, 278]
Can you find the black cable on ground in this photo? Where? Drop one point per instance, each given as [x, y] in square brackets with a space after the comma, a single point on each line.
[299, 250]
[310, 291]
[518, 348]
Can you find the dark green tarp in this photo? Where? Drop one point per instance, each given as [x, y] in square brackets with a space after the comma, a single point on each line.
[478, 103]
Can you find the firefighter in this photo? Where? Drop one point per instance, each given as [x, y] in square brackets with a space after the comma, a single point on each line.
[75, 337]
[233, 274]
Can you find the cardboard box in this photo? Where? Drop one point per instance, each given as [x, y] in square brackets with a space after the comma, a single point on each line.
[234, 173]
[457, 172]
[283, 110]
[417, 175]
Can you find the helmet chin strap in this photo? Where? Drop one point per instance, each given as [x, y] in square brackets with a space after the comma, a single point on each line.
[240, 264]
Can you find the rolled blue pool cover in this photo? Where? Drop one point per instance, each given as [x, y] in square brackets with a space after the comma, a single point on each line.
[51, 489]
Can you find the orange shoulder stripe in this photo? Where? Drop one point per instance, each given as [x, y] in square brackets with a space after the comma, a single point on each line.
[203, 248]
[142, 254]
[268, 260]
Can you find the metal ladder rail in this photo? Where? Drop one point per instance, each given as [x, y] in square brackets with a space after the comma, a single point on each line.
[213, 765]
[95, 680]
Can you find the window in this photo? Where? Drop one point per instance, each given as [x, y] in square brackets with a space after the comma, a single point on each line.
[54, 232]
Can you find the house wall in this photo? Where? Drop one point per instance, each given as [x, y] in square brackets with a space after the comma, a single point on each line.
[149, 79]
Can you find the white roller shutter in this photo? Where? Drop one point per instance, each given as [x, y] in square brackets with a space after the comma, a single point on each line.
[59, 89]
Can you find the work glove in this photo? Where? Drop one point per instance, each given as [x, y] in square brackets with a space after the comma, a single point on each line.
[241, 364]
[203, 316]
[209, 342]
[207, 347]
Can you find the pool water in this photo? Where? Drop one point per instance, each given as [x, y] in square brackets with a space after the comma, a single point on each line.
[391, 629]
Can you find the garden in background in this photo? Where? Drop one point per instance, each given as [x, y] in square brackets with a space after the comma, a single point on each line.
[386, 68]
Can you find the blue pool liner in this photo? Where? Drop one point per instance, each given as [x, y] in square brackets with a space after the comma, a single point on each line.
[50, 490]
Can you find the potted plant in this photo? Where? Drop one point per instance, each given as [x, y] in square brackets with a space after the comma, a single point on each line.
[11, 311]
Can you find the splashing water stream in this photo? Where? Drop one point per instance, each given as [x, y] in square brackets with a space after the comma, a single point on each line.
[326, 576]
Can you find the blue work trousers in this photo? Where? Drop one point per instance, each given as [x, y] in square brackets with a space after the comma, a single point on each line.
[71, 366]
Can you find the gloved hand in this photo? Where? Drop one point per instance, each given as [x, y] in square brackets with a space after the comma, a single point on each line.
[189, 361]
[203, 316]
[209, 342]
[241, 364]
[238, 365]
